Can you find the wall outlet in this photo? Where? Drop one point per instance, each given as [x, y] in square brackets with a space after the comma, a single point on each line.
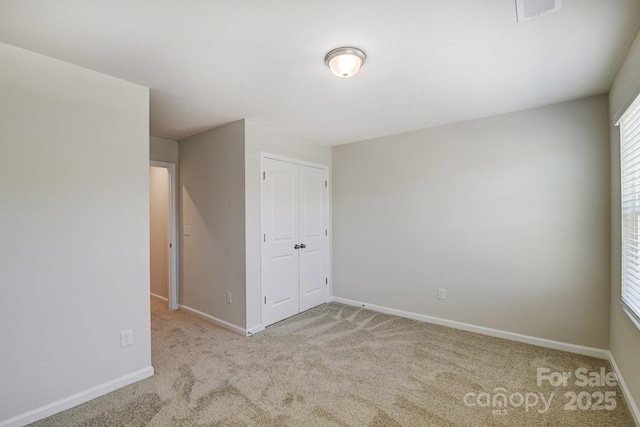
[229, 297]
[187, 230]
[442, 294]
[126, 338]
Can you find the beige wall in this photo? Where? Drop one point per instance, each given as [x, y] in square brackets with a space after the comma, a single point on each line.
[163, 150]
[212, 204]
[74, 232]
[159, 230]
[267, 139]
[625, 337]
[510, 214]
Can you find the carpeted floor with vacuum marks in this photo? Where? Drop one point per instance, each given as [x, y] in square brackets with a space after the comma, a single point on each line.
[337, 365]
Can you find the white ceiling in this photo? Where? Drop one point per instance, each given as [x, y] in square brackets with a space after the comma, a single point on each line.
[430, 62]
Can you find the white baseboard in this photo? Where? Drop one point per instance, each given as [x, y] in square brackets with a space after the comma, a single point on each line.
[76, 399]
[156, 296]
[542, 342]
[230, 326]
[631, 404]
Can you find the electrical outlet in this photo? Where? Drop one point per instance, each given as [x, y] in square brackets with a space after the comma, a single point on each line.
[228, 297]
[126, 338]
[187, 230]
[442, 294]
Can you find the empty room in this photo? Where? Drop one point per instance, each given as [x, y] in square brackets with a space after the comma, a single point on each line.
[355, 213]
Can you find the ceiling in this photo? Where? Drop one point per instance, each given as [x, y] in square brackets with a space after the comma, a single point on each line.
[429, 62]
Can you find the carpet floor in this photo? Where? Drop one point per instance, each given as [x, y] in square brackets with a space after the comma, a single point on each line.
[337, 365]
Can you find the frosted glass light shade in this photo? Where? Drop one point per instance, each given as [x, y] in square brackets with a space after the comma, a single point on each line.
[345, 61]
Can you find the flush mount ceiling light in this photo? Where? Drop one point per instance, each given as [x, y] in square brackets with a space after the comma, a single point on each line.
[345, 61]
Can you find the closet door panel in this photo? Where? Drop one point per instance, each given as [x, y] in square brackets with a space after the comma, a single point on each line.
[313, 210]
[280, 260]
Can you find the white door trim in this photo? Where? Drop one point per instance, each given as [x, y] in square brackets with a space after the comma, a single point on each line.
[173, 221]
[264, 155]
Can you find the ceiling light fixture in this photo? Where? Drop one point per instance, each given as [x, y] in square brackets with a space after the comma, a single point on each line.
[345, 61]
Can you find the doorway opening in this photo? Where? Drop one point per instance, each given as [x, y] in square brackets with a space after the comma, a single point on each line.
[163, 245]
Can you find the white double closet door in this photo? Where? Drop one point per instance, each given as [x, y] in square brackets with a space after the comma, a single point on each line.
[295, 258]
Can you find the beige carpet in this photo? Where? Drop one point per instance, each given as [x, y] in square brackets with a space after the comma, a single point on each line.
[337, 365]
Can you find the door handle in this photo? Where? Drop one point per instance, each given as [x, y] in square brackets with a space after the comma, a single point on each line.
[296, 246]
[302, 245]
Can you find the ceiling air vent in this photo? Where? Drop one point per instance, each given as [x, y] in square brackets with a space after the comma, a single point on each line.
[529, 9]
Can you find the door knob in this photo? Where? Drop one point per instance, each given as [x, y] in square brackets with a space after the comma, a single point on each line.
[302, 245]
[296, 246]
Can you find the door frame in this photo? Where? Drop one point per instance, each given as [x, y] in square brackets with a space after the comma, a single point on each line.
[266, 155]
[173, 232]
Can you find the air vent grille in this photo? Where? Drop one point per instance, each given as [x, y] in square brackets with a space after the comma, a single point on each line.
[529, 9]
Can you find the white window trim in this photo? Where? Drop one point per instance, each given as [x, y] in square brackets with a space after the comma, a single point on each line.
[630, 314]
[629, 123]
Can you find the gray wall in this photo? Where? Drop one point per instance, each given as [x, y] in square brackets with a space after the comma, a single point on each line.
[212, 204]
[163, 150]
[74, 230]
[267, 139]
[625, 337]
[510, 214]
